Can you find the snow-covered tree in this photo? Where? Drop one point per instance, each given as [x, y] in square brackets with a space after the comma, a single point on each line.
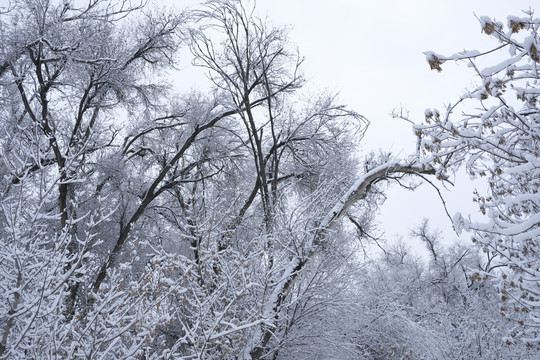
[141, 223]
[69, 71]
[407, 308]
[221, 223]
[494, 132]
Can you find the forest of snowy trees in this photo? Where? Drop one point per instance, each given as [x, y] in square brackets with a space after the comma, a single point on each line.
[138, 221]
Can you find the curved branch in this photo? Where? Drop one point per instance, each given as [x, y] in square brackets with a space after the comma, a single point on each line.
[358, 191]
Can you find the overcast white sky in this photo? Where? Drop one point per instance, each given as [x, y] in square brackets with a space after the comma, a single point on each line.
[371, 51]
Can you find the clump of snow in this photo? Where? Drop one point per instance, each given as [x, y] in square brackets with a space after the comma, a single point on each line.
[460, 223]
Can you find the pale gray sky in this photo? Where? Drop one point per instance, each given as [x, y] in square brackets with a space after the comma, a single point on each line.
[372, 53]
